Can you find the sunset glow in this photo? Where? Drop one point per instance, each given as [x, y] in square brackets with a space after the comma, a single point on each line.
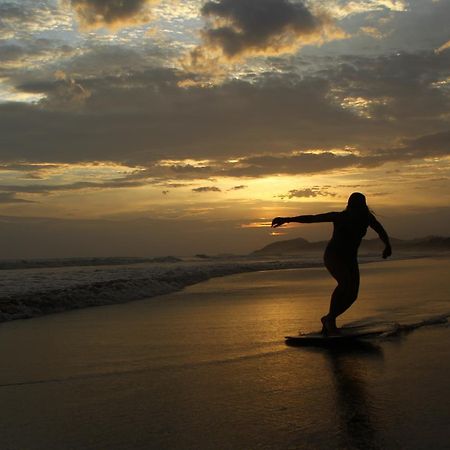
[150, 112]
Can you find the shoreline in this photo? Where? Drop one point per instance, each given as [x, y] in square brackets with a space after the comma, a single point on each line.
[169, 279]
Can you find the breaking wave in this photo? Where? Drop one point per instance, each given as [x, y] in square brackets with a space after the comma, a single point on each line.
[34, 292]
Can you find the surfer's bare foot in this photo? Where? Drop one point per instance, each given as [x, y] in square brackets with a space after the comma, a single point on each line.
[329, 327]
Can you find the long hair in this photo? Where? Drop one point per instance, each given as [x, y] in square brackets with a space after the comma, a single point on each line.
[357, 204]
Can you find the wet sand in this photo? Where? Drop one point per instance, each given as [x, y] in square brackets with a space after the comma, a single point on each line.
[207, 368]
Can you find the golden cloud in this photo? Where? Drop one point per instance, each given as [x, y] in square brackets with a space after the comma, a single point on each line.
[443, 47]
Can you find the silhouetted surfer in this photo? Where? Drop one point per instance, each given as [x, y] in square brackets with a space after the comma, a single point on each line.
[340, 257]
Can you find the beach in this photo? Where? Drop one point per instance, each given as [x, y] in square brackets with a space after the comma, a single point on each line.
[207, 368]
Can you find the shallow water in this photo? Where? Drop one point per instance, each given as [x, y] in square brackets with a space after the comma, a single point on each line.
[207, 368]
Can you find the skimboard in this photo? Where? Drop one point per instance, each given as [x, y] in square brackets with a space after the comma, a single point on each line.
[348, 336]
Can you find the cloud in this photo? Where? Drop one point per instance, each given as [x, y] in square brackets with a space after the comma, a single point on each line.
[307, 162]
[24, 167]
[28, 53]
[315, 191]
[344, 8]
[238, 188]
[12, 14]
[145, 117]
[28, 171]
[19, 19]
[10, 197]
[111, 13]
[398, 87]
[292, 163]
[176, 185]
[443, 47]
[432, 145]
[436, 144]
[372, 31]
[206, 189]
[140, 118]
[296, 163]
[66, 93]
[241, 28]
[79, 185]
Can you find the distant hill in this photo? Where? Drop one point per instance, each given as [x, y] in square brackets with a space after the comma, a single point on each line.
[301, 245]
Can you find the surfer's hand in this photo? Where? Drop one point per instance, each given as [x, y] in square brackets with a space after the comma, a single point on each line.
[387, 251]
[278, 221]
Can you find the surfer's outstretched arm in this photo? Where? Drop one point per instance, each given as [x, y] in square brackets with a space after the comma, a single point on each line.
[378, 228]
[327, 217]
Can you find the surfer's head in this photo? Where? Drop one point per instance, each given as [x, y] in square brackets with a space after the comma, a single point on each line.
[357, 201]
[357, 205]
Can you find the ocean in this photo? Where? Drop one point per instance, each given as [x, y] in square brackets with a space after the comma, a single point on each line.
[207, 367]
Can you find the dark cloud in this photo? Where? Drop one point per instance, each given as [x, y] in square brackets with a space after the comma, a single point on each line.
[299, 163]
[24, 167]
[10, 197]
[314, 191]
[143, 117]
[28, 171]
[79, 185]
[206, 189]
[434, 145]
[120, 60]
[66, 93]
[401, 86]
[146, 117]
[257, 24]
[11, 52]
[11, 14]
[238, 188]
[26, 51]
[175, 185]
[97, 13]
[437, 144]
[256, 166]
[95, 61]
[13, 11]
[22, 18]
[239, 28]
[422, 25]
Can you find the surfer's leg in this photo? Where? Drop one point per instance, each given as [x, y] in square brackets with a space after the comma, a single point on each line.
[346, 273]
[348, 292]
[338, 270]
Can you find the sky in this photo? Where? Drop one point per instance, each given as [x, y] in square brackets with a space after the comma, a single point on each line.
[156, 127]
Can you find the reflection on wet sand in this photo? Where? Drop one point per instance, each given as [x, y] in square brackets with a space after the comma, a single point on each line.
[355, 408]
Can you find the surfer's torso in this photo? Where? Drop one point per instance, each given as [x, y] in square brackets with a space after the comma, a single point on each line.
[348, 231]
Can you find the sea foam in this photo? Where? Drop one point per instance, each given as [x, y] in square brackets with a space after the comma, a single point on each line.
[29, 292]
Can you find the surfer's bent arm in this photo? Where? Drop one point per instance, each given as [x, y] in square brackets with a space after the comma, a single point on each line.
[327, 217]
[378, 228]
